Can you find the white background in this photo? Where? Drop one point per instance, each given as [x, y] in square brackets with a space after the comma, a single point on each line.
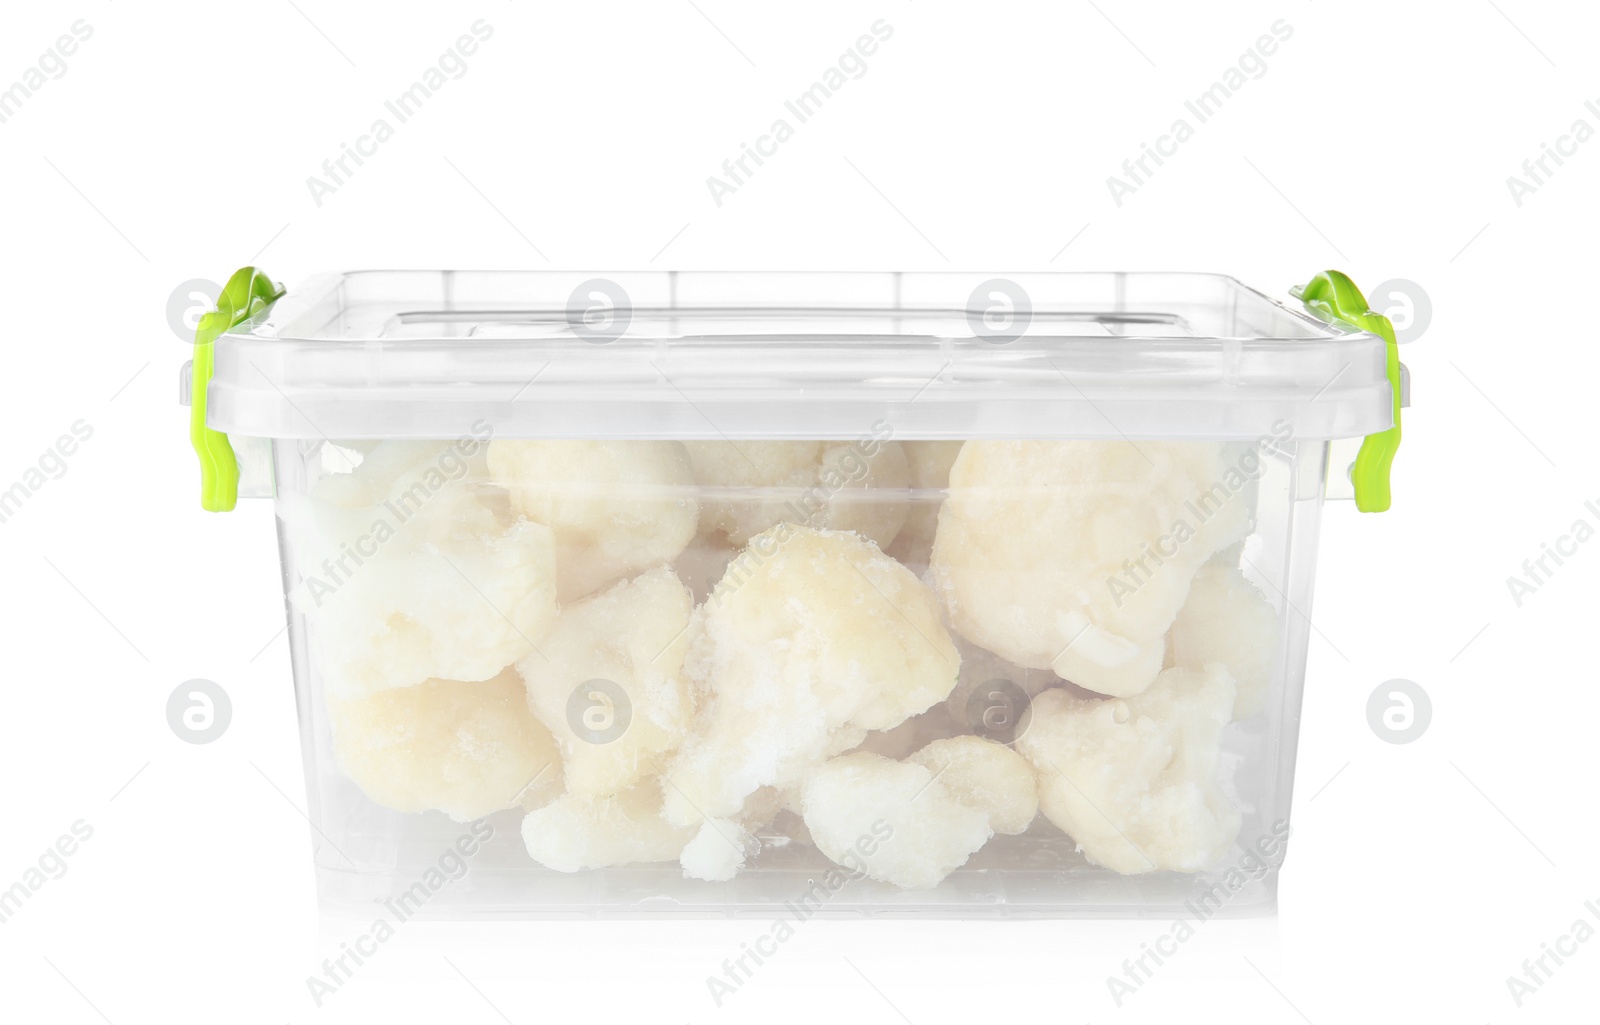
[177, 145]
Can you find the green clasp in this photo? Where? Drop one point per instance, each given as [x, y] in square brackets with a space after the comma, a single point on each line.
[1334, 295]
[247, 293]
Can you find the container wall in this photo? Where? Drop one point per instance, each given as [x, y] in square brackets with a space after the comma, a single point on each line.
[791, 677]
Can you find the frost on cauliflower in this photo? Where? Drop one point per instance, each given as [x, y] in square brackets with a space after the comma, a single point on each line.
[574, 832]
[413, 569]
[463, 748]
[1134, 780]
[891, 821]
[722, 846]
[633, 636]
[616, 507]
[1227, 620]
[812, 639]
[984, 775]
[718, 850]
[835, 485]
[930, 463]
[1076, 555]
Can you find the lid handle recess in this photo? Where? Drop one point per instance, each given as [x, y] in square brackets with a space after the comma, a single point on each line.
[248, 293]
[1336, 297]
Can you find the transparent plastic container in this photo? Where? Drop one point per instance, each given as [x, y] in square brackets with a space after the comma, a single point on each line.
[784, 594]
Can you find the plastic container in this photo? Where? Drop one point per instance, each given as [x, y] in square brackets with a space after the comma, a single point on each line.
[782, 594]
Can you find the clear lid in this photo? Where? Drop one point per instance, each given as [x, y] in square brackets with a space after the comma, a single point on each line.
[414, 354]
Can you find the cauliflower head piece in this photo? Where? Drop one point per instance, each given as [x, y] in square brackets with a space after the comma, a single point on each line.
[810, 640]
[575, 832]
[901, 822]
[616, 507]
[412, 570]
[463, 748]
[1134, 780]
[721, 847]
[984, 775]
[835, 485]
[1075, 556]
[1227, 619]
[718, 850]
[607, 681]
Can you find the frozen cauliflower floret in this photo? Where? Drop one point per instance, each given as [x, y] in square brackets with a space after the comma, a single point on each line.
[723, 846]
[616, 507]
[718, 850]
[835, 485]
[1075, 556]
[573, 832]
[810, 640]
[412, 570]
[390, 470]
[466, 749]
[1134, 780]
[631, 639]
[1227, 620]
[892, 821]
[930, 463]
[987, 776]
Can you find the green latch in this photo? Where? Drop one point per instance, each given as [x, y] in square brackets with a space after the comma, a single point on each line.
[1334, 295]
[246, 294]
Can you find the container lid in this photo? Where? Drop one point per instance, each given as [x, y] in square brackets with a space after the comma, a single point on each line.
[429, 354]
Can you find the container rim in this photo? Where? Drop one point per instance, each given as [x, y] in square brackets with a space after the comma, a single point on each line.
[793, 354]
